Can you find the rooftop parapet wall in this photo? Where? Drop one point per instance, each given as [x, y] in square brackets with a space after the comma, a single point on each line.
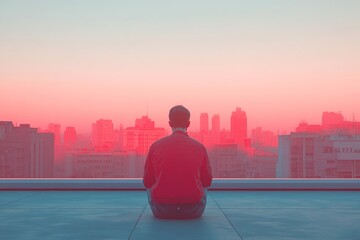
[218, 184]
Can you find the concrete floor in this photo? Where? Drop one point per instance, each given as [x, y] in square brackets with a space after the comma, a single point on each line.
[229, 215]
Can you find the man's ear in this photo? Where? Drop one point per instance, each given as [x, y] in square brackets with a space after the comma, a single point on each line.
[170, 124]
[188, 124]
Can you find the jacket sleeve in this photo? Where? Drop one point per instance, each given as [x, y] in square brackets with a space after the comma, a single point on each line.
[149, 173]
[205, 172]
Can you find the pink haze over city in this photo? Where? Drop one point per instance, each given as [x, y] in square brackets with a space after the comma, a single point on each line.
[74, 62]
[273, 146]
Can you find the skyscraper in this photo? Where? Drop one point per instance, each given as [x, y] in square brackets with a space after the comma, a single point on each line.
[24, 152]
[260, 137]
[314, 155]
[204, 123]
[239, 126]
[69, 138]
[215, 124]
[331, 120]
[142, 135]
[103, 135]
[56, 130]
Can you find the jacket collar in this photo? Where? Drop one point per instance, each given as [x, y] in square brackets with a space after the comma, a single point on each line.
[180, 132]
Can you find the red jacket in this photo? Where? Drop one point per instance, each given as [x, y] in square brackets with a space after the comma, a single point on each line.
[177, 169]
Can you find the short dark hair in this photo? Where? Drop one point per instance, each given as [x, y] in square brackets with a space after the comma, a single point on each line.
[179, 116]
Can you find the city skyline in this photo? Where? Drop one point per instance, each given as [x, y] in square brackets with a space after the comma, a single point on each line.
[195, 120]
[280, 61]
[327, 150]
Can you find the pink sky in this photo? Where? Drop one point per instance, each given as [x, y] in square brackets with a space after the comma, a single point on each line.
[281, 62]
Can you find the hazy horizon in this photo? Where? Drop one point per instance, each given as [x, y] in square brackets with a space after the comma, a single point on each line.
[282, 62]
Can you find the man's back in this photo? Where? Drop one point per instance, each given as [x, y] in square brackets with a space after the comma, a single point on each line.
[177, 169]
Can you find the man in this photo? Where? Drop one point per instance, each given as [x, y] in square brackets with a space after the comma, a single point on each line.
[177, 171]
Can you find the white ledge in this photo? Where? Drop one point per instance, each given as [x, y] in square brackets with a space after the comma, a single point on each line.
[218, 184]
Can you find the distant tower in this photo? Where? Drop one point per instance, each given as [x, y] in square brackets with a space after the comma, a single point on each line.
[204, 123]
[56, 130]
[239, 126]
[69, 138]
[103, 135]
[144, 123]
[25, 152]
[332, 120]
[121, 137]
[142, 135]
[215, 124]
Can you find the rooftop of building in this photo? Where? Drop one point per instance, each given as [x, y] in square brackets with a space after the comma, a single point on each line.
[230, 214]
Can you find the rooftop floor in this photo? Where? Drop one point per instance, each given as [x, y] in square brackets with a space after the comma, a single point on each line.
[228, 215]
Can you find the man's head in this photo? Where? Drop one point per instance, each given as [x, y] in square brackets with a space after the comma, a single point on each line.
[179, 117]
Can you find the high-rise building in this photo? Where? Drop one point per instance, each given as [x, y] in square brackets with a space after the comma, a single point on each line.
[227, 161]
[331, 120]
[334, 123]
[239, 126]
[215, 124]
[56, 130]
[310, 155]
[309, 128]
[69, 138]
[144, 123]
[204, 123]
[142, 135]
[119, 138]
[103, 135]
[260, 137]
[24, 152]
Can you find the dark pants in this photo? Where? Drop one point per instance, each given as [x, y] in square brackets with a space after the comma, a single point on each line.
[177, 211]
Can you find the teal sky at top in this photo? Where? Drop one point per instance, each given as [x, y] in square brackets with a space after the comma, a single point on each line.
[216, 45]
[178, 24]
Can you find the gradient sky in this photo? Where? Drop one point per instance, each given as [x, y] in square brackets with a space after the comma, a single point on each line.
[73, 62]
